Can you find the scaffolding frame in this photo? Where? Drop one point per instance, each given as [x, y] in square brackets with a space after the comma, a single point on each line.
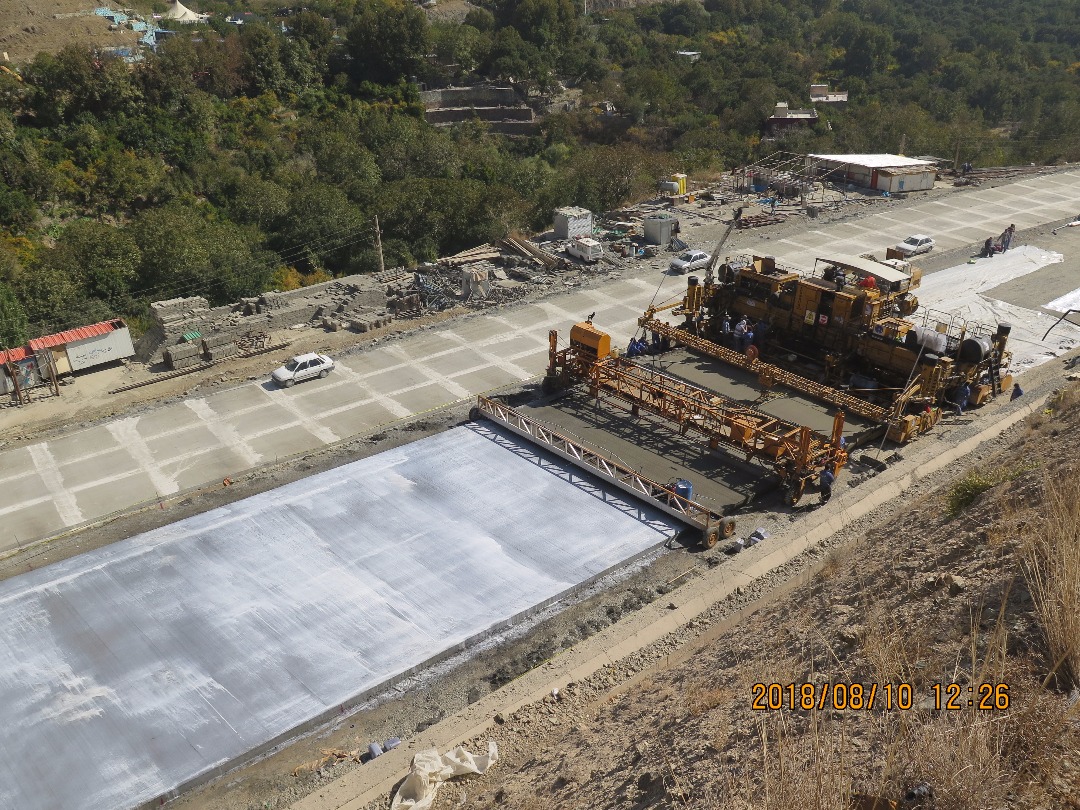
[794, 175]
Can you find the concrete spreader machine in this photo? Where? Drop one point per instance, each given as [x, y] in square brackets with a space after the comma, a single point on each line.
[796, 453]
[851, 335]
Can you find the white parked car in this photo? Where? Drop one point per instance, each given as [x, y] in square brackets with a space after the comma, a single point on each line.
[914, 245]
[302, 367]
[689, 262]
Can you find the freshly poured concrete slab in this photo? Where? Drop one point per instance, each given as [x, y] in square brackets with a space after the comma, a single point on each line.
[136, 669]
[744, 387]
[655, 449]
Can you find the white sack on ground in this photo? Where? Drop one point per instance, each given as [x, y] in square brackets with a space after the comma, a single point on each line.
[430, 770]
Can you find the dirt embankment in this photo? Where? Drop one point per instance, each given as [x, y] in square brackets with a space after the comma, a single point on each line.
[27, 28]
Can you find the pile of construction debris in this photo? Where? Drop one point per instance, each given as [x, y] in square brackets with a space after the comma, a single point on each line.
[976, 177]
[489, 275]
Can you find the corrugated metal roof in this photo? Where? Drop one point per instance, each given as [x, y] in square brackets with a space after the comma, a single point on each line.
[875, 161]
[12, 355]
[71, 335]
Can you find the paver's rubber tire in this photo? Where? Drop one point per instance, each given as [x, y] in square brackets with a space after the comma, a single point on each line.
[727, 528]
[474, 414]
[709, 538]
[289, 383]
[323, 374]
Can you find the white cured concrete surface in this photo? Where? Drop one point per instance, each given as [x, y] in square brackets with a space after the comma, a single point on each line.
[137, 668]
[968, 291]
[49, 486]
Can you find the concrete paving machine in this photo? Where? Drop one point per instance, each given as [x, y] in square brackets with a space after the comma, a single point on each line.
[845, 335]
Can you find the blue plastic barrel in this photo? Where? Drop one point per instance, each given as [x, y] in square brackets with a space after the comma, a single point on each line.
[684, 489]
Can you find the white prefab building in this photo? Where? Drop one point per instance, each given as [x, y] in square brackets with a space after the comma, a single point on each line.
[571, 222]
[892, 173]
[659, 228]
[87, 346]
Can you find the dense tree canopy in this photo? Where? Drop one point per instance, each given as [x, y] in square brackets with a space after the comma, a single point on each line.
[235, 157]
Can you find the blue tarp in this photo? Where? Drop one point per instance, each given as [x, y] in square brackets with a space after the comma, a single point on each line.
[148, 30]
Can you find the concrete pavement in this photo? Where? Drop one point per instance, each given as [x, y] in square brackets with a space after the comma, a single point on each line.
[148, 666]
[58, 484]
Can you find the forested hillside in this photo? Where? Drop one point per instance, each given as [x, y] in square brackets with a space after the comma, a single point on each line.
[239, 158]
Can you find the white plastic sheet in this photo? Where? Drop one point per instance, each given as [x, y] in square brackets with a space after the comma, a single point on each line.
[430, 769]
[965, 290]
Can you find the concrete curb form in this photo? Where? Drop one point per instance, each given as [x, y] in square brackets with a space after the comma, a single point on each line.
[363, 785]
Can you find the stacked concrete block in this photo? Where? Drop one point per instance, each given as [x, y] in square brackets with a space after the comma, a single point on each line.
[367, 324]
[219, 345]
[217, 339]
[187, 362]
[183, 355]
[406, 302]
[222, 351]
[178, 309]
[342, 300]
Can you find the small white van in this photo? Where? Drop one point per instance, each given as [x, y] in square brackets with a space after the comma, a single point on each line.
[586, 249]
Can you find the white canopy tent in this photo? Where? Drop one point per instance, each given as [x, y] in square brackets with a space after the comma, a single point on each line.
[178, 12]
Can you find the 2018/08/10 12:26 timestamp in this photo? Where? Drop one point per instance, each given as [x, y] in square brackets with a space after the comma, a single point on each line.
[859, 697]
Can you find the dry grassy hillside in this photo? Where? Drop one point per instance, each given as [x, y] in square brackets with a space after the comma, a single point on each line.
[975, 585]
[30, 26]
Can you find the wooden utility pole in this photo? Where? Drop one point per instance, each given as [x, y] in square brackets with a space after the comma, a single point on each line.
[52, 373]
[13, 370]
[378, 245]
[903, 142]
[956, 158]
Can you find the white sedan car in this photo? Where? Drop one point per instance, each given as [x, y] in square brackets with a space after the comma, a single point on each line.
[689, 262]
[302, 367]
[914, 245]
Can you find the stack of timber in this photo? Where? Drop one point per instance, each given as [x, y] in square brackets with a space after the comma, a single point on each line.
[757, 220]
[486, 252]
[529, 250]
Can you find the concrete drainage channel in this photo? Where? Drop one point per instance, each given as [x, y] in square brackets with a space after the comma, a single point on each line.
[686, 604]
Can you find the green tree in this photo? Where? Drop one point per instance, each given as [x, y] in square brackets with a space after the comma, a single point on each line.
[322, 228]
[14, 328]
[101, 260]
[254, 201]
[548, 24]
[77, 81]
[387, 41]
[263, 70]
[184, 253]
[313, 29]
[480, 18]
[17, 211]
[124, 179]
